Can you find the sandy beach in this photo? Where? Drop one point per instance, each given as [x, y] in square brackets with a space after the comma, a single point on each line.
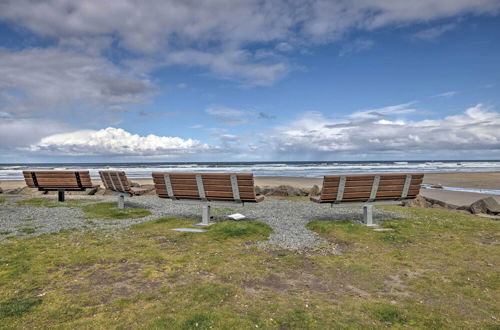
[476, 180]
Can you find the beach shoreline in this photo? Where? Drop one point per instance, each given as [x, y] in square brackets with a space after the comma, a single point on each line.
[473, 180]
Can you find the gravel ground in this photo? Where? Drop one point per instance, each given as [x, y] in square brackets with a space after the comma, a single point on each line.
[287, 218]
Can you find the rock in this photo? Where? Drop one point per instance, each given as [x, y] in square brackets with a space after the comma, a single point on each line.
[437, 186]
[282, 190]
[487, 205]
[315, 191]
[134, 184]
[285, 190]
[24, 191]
[92, 191]
[150, 189]
[419, 201]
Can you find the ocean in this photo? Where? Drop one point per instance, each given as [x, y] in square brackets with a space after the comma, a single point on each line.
[297, 169]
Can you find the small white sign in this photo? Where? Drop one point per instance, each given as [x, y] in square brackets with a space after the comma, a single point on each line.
[236, 216]
[192, 230]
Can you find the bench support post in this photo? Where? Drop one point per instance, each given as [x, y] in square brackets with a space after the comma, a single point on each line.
[121, 201]
[205, 215]
[60, 195]
[368, 216]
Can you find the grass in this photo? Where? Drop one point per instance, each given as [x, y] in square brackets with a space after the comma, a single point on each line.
[18, 306]
[110, 211]
[46, 202]
[2, 200]
[436, 270]
[27, 230]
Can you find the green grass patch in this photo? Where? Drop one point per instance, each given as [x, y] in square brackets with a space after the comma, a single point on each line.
[110, 211]
[2, 200]
[18, 306]
[27, 230]
[247, 230]
[46, 202]
[5, 232]
[436, 270]
[388, 314]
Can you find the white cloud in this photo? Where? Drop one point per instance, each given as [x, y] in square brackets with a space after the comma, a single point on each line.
[446, 94]
[234, 64]
[112, 142]
[476, 130]
[399, 109]
[434, 32]
[49, 79]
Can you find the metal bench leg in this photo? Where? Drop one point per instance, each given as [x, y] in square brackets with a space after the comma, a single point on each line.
[368, 216]
[205, 216]
[121, 201]
[60, 195]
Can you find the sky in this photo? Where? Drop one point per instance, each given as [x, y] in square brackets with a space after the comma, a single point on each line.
[249, 80]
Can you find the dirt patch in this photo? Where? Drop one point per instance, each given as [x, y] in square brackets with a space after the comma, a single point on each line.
[394, 285]
[291, 281]
[121, 280]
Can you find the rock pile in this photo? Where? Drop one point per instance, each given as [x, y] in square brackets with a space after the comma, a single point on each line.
[485, 207]
[287, 191]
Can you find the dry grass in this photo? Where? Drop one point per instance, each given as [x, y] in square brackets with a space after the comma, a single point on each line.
[438, 270]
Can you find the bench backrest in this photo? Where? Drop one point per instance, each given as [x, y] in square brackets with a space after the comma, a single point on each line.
[205, 186]
[372, 187]
[115, 180]
[58, 179]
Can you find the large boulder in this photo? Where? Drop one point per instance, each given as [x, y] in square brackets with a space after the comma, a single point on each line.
[487, 205]
[315, 191]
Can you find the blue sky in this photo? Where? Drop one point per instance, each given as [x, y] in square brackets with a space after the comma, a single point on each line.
[249, 80]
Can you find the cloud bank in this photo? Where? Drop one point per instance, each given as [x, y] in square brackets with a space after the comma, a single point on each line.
[476, 130]
[112, 142]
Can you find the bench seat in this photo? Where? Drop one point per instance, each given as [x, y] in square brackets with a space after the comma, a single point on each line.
[59, 181]
[369, 190]
[206, 189]
[117, 182]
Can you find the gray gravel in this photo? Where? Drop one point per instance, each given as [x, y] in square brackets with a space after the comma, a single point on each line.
[287, 218]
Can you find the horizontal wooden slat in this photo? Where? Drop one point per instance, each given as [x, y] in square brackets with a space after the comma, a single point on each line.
[362, 177]
[205, 181]
[178, 193]
[395, 194]
[242, 176]
[212, 199]
[207, 187]
[368, 188]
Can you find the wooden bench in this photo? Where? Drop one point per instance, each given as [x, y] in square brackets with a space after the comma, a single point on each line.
[59, 181]
[207, 189]
[117, 182]
[369, 190]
